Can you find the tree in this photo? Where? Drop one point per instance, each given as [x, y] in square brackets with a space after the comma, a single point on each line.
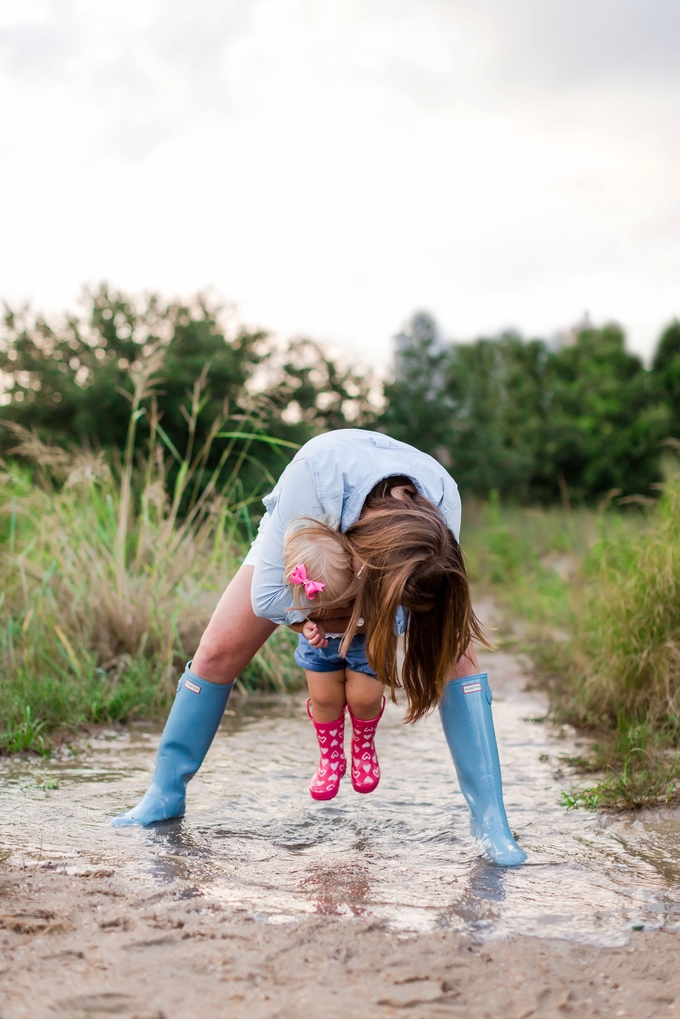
[65, 379]
[497, 386]
[604, 421]
[417, 406]
[535, 423]
[666, 370]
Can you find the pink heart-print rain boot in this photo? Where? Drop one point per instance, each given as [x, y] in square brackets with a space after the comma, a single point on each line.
[365, 767]
[333, 763]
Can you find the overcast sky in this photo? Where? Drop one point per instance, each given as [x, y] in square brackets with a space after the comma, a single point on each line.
[332, 165]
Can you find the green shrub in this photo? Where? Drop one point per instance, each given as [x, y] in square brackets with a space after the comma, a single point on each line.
[527, 558]
[107, 587]
[596, 599]
[623, 676]
[628, 624]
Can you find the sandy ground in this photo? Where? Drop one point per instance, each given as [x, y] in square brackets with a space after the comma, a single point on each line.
[88, 944]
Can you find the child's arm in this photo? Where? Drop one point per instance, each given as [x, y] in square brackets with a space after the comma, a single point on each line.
[314, 632]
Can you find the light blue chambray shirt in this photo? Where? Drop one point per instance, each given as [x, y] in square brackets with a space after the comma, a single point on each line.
[329, 478]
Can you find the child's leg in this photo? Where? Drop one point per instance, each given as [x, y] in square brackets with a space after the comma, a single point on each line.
[326, 709]
[327, 693]
[363, 693]
[365, 702]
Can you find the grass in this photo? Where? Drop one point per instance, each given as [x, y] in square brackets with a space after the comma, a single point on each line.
[23, 735]
[625, 679]
[629, 633]
[112, 574]
[529, 558]
[598, 599]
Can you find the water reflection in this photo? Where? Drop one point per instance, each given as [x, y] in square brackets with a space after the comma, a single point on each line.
[339, 890]
[254, 840]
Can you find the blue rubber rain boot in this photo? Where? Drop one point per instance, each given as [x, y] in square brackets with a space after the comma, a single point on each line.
[465, 712]
[188, 733]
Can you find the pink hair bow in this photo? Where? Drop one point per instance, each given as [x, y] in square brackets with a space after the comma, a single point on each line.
[299, 576]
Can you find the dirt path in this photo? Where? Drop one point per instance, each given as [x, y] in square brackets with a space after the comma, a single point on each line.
[83, 946]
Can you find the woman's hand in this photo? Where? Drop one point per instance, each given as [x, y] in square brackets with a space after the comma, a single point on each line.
[315, 634]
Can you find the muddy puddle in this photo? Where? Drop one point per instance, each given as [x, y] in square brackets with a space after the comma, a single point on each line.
[253, 840]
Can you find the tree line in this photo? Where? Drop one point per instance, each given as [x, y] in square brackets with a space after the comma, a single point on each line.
[67, 379]
[534, 421]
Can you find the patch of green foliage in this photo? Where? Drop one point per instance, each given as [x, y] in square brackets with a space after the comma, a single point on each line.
[537, 422]
[597, 596]
[635, 766]
[25, 734]
[113, 567]
[629, 629]
[529, 558]
[625, 675]
[541, 423]
[63, 377]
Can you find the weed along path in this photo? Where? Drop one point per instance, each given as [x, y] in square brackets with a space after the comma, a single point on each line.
[262, 903]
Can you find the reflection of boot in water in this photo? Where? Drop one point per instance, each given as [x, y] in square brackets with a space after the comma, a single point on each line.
[332, 764]
[465, 712]
[365, 767]
[188, 733]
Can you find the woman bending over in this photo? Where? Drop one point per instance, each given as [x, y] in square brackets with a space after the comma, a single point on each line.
[396, 513]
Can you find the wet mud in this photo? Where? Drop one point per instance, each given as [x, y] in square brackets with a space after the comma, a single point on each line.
[264, 900]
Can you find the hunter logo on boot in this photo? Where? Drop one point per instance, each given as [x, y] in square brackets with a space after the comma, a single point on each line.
[472, 687]
[192, 686]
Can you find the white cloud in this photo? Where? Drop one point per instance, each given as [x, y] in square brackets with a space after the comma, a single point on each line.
[333, 166]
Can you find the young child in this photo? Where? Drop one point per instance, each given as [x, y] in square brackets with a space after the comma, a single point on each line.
[318, 568]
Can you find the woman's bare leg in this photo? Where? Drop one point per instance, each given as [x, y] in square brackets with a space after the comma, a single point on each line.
[467, 664]
[233, 635]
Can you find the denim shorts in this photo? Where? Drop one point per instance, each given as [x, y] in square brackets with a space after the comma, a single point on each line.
[328, 659]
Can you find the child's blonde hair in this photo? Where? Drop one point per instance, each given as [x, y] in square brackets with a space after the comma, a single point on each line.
[326, 557]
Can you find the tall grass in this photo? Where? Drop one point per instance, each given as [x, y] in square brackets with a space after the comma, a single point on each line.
[528, 558]
[629, 628]
[111, 573]
[625, 678]
[597, 599]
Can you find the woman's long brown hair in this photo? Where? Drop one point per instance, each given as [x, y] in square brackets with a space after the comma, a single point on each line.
[411, 559]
